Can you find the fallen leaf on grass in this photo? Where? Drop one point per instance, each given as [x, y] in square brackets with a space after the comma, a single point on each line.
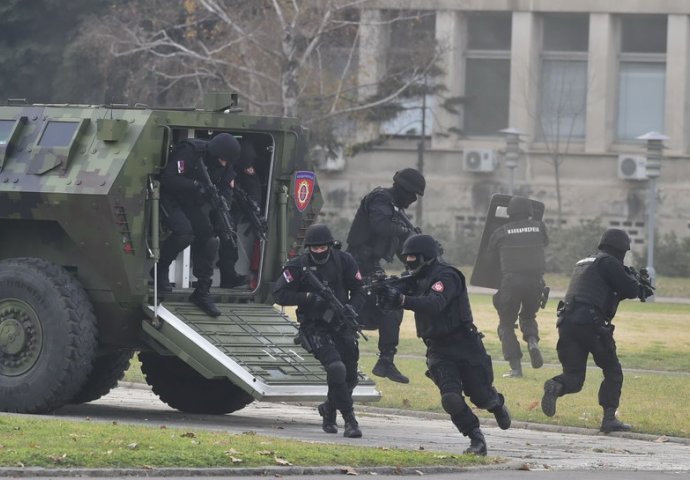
[533, 405]
[266, 453]
[188, 435]
[133, 446]
[282, 461]
[349, 471]
[235, 459]
[662, 439]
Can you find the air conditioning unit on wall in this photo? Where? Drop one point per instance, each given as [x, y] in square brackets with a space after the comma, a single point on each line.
[632, 167]
[479, 160]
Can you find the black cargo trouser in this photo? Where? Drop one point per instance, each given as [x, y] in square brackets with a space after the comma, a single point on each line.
[577, 338]
[373, 317]
[517, 299]
[338, 352]
[460, 364]
[190, 224]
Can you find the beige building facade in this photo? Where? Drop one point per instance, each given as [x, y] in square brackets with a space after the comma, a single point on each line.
[579, 79]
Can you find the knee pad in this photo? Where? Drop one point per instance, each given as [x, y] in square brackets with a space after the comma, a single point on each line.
[453, 403]
[335, 372]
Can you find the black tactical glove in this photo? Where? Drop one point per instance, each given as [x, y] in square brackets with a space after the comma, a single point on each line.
[644, 292]
[316, 305]
[201, 190]
[390, 299]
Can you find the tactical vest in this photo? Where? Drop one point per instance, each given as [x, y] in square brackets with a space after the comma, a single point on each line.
[456, 316]
[589, 287]
[361, 241]
[330, 273]
[522, 248]
[216, 172]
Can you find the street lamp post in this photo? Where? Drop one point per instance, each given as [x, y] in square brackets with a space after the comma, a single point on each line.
[654, 153]
[512, 154]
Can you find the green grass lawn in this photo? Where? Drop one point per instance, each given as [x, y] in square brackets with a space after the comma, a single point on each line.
[649, 336]
[53, 443]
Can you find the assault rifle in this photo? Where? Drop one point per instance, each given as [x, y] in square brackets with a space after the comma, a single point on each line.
[345, 313]
[401, 217]
[253, 211]
[225, 228]
[378, 283]
[646, 289]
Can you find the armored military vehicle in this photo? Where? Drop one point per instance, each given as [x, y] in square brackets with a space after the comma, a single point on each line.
[79, 234]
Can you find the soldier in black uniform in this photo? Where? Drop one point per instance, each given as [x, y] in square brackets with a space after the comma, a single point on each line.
[519, 245]
[228, 253]
[187, 213]
[376, 234]
[598, 284]
[457, 360]
[334, 345]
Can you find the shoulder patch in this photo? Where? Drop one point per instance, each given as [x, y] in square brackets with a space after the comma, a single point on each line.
[287, 276]
[438, 287]
[358, 276]
[181, 166]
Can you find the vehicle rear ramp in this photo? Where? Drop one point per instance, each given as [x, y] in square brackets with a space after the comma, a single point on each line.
[250, 344]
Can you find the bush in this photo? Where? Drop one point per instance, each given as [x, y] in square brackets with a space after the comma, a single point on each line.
[461, 251]
[568, 245]
[671, 256]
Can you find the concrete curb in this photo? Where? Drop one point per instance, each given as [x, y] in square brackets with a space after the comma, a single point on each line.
[245, 472]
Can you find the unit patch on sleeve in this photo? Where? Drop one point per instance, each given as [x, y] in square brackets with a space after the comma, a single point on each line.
[438, 287]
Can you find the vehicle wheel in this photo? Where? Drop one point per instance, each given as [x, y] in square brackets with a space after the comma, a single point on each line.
[184, 389]
[48, 336]
[107, 370]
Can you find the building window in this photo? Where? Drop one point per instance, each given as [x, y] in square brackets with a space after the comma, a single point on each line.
[487, 77]
[563, 92]
[412, 46]
[641, 75]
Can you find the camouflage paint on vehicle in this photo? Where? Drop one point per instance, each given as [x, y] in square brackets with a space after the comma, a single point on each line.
[78, 222]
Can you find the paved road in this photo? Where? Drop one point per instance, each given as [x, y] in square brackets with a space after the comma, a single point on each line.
[527, 447]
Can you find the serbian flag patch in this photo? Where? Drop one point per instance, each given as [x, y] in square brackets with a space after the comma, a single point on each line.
[287, 276]
[180, 166]
[438, 287]
[304, 188]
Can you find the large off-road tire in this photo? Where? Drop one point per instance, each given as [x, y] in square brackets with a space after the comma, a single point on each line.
[48, 336]
[107, 370]
[184, 389]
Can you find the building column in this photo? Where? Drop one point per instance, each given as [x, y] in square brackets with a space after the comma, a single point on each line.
[602, 82]
[374, 38]
[451, 43]
[524, 72]
[677, 77]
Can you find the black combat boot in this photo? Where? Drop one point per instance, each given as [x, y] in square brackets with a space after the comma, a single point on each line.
[611, 424]
[328, 414]
[552, 390]
[162, 278]
[201, 297]
[477, 443]
[534, 353]
[502, 417]
[351, 426]
[515, 369]
[232, 279]
[386, 368]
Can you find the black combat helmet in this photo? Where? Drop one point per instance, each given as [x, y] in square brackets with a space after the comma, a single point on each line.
[424, 247]
[411, 180]
[520, 207]
[224, 146]
[318, 234]
[616, 239]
